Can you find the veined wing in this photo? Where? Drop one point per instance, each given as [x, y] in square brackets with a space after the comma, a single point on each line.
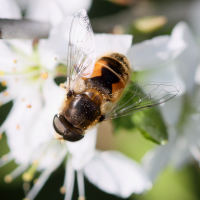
[81, 50]
[140, 96]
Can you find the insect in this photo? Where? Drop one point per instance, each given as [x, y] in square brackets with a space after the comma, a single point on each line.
[94, 89]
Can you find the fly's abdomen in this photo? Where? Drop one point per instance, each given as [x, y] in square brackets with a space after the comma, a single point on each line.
[111, 74]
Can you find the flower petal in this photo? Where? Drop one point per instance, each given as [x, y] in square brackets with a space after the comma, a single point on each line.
[54, 11]
[83, 150]
[9, 9]
[155, 160]
[189, 59]
[156, 52]
[109, 43]
[117, 174]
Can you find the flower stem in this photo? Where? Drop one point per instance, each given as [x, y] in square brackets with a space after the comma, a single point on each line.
[26, 29]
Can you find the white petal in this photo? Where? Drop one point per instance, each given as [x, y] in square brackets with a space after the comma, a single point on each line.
[83, 150]
[108, 43]
[56, 46]
[117, 174]
[20, 121]
[165, 74]
[194, 16]
[43, 130]
[172, 110]
[156, 160]
[55, 10]
[9, 9]
[155, 52]
[189, 58]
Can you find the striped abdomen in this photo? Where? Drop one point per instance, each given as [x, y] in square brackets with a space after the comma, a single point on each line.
[110, 76]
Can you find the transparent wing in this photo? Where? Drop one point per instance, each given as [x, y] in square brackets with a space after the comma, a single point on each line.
[81, 49]
[140, 96]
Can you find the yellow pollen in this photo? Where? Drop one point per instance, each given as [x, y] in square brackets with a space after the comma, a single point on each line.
[23, 99]
[28, 106]
[27, 177]
[2, 73]
[5, 93]
[62, 190]
[15, 61]
[17, 127]
[0, 136]
[35, 162]
[3, 83]
[8, 178]
[55, 58]
[44, 75]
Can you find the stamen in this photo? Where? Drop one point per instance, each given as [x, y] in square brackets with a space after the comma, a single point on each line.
[17, 127]
[6, 159]
[0, 104]
[15, 61]
[0, 136]
[3, 83]
[45, 175]
[23, 99]
[29, 174]
[44, 75]
[2, 73]
[62, 190]
[69, 180]
[8, 178]
[14, 174]
[26, 186]
[5, 93]
[28, 106]
[55, 58]
[81, 189]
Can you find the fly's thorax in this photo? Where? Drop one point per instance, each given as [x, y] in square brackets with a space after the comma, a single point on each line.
[110, 76]
[83, 109]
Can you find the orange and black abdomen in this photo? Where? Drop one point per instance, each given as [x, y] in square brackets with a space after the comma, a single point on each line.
[110, 76]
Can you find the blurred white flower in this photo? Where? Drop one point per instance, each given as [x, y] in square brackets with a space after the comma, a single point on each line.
[181, 113]
[52, 11]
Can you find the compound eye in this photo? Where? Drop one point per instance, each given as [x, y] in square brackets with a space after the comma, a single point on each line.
[67, 130]
[58, 122]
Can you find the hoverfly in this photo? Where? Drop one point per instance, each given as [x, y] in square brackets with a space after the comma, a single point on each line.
[94, 88]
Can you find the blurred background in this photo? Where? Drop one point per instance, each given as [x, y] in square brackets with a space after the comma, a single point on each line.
[144, 19]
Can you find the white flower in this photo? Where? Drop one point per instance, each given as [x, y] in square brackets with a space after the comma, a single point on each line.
[29, 124]
[53, 11]
[183, 126]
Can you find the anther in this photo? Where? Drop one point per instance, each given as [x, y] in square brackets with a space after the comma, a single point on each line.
[15, 61]
[28, 106]
[44, 75]
[3, 83]
[17, 127]
[62, 190]
[55, 58]
[5, 93]
[8, 178]
[81, 198]
[0, 136]
[2, 73]
[26, 186]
